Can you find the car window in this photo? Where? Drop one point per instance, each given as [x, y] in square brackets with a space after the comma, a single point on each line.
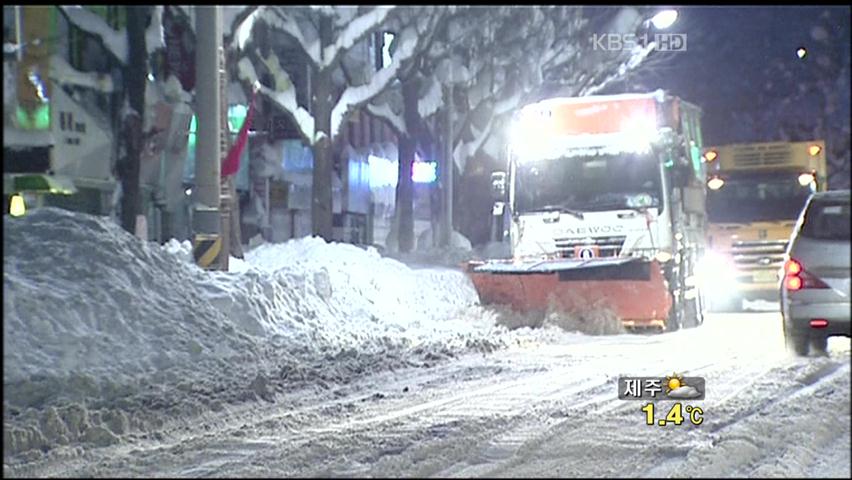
[827, 220]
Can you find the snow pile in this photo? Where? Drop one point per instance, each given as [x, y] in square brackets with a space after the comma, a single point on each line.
[99, 325]
[427, 253]
[182, 249]
[591, 321]
[339, 294]
[80, 294]
[457, 241]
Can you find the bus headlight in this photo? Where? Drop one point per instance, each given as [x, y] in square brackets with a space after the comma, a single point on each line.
[806, 179]
[716, 273]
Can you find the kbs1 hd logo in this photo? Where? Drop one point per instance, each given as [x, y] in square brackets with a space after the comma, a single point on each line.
[663, 42]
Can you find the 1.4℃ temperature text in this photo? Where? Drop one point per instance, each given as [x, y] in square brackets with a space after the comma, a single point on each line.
[677, 415]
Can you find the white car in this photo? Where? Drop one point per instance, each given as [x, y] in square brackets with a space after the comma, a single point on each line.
[815, 302]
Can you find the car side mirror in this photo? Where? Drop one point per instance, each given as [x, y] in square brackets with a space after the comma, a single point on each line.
[498, 186]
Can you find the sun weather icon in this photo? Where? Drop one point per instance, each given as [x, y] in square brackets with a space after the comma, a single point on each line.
[677, 388]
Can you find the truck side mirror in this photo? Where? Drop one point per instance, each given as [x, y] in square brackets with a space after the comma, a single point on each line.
[498, 186]
[682, 175]
[694, 200]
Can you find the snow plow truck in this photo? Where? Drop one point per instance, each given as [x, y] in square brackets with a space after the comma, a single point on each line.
[603, 206]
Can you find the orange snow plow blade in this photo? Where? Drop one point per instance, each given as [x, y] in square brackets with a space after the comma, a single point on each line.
[633, 289]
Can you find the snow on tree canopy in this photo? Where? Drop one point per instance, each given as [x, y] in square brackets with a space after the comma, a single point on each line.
[114, 41]
[154, 35]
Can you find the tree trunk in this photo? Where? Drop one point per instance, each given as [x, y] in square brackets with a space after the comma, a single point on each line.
[321, 205]
[134, 87]
[405, 193]
[407, 147]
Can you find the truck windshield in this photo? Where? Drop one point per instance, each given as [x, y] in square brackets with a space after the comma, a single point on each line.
[588, 183]
[754, 197]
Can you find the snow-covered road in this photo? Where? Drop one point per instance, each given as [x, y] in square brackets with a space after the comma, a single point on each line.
[535, 409]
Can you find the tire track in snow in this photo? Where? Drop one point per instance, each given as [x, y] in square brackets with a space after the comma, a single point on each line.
[557, 399]
[810, 381]
[786, 432]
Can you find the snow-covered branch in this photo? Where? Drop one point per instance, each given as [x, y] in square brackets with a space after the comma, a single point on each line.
[637, 55]
[431, 102]
[354, 32]
[502, 108]
[285, 98]
[385, 112]
[354, 97]
[154, 35]
[114, 41]
[243, 27]
[63, 73]
[288, 24]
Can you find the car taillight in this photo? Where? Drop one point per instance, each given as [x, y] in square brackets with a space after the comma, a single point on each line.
[792, 267]
[797, 278]
[794, 283]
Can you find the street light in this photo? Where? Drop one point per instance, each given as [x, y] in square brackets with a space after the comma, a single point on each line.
[664, 19]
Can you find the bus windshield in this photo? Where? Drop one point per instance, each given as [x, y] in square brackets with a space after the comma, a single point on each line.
[761, 196]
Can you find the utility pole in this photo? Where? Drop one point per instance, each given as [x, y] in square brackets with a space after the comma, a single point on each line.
[134, 84]
[225, 197]
[206, 219]
[447, 171]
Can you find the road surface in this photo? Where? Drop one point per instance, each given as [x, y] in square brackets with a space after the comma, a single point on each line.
[532, 410]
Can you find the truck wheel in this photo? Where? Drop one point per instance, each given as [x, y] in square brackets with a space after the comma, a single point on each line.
[691, 315]
[798, 344]
[674, 322]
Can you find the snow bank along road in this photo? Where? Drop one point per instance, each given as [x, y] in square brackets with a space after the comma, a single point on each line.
[537, 409]
[122, 358]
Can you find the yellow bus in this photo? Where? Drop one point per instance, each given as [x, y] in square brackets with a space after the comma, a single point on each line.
[755, 192]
